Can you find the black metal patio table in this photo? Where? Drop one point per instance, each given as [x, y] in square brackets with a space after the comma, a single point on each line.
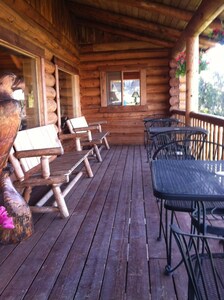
[188, 180]
[158, 130]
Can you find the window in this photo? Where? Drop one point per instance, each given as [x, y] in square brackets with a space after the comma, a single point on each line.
[123, 88]
[25, 66]
[69, 100]
[68, 92]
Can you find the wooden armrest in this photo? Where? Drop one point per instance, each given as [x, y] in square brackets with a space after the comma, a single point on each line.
[98, 123]
[78, 137]
[39, 152]
[87, 128]
[73, 136]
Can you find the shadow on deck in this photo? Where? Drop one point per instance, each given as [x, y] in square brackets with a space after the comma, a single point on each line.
[106, 249]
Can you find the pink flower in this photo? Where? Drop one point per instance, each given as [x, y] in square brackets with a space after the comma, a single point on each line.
[181, 57]
[215, 31]
[5, 220]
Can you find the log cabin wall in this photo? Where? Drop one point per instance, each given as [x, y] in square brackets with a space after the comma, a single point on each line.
[37, 27]
[40, 24]
[177, 88]
[50, 81]
[125, 123]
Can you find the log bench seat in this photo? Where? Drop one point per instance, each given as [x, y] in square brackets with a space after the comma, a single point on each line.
[38, 159]
[88, 134]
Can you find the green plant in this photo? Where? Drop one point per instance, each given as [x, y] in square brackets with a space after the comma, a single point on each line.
[181, 64]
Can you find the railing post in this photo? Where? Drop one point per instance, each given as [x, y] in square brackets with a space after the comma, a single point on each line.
[192, 65]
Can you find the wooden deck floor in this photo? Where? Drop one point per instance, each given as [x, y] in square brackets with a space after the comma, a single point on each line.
[106, 249]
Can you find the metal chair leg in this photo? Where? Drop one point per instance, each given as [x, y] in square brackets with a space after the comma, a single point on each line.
[160, 220]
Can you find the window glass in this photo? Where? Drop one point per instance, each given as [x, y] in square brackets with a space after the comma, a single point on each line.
[123, 88]
[24, 66]
[65, 90]
[114, 88]
[69, 99]
[131, 81]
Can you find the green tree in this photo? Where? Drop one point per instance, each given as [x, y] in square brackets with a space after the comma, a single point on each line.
[211, 95]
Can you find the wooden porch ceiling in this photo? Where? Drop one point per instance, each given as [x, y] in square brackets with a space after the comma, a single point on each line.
[159, 23]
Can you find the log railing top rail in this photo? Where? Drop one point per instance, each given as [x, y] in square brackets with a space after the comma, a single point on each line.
[215, 120]
[219, 121]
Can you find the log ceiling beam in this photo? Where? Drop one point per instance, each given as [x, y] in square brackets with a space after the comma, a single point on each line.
[163, 32]
[204, 42]
[125, 33]
[133, 24]
[205, 14]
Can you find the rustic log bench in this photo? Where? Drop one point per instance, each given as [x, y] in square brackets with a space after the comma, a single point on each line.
[38, 159]
[90, 134]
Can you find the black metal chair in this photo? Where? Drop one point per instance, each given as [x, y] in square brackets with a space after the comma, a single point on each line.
[200, 149]
[148, 121]
[188, 145]
[156, 122]
[210, 151]
[178, 142]
[204, 267]
[155, 116]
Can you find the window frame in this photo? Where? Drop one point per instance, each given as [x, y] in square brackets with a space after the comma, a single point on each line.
[103, 86]
[63, 66]
[36, 53]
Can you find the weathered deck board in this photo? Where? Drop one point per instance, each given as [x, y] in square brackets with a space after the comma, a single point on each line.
[106, 249]
[138, 269]
[114, 282]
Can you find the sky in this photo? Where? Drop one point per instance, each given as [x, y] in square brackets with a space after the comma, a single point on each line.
[215, 57]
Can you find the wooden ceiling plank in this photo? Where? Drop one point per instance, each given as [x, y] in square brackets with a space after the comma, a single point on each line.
[132, 35]
[167, 10]
[109, 17]
[160, 9]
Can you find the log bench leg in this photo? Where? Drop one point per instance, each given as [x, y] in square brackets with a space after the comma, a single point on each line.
[88, 168]
[96, 149]
[106, 143]
[59, 198]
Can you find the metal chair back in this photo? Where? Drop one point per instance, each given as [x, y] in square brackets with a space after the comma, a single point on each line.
[184, 143]
[204, 267]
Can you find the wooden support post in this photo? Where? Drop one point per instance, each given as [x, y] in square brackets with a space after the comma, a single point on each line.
[192, 61]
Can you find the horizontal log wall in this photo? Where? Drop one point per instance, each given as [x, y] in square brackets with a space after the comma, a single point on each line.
[37, 27]
[50, 81]
[125, 123]
[42, 25]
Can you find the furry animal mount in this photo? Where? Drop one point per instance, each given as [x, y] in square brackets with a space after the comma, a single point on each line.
[10, 110]
[9, 125]
[9, 83]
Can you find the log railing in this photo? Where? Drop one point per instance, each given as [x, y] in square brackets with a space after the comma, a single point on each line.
[213, 124]
[179, 114]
